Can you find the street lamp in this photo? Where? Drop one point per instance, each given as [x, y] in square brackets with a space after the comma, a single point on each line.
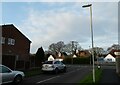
[90, 5]
[90, 55]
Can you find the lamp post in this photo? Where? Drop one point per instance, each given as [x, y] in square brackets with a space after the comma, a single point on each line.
[90, 56]
[72, 51]
[91, 27]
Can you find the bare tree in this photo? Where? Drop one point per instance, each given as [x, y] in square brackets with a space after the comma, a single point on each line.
[56, 47]
[114, 46]
[98, 51]
[68, 48]
[60, 46]
[71, 47]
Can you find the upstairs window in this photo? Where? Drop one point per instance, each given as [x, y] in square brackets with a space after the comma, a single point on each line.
[11, 41]
[2, 40]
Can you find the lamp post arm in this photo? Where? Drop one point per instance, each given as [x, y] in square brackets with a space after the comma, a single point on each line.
[87, 5]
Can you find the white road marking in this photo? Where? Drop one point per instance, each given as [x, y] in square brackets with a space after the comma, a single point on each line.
[58, 76]
[47, 79]
[54, 77]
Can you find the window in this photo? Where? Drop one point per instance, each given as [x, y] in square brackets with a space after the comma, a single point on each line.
[57, 62]
[109, 60]
[2, 40]
[4, 69]
[11, 41]
[48, 62]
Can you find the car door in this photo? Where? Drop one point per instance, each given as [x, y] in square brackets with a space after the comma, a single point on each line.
[56, 64]
[60, 65]
[7, 75]
[0, 75]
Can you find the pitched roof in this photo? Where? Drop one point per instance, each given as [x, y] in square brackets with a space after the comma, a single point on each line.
[12, 26]
[109, 57]
[112, 52]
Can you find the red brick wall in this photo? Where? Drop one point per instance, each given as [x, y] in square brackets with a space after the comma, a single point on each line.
[22, 44]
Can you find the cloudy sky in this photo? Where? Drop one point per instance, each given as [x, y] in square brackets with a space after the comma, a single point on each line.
[49, 22]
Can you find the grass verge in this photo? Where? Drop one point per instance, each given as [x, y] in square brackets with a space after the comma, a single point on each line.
[33, 72]
[88, 78]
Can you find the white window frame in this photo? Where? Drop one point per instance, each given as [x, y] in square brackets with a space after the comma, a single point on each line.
[2, 40]
[11, 41]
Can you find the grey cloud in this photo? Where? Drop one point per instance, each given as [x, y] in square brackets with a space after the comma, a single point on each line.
[46, 27]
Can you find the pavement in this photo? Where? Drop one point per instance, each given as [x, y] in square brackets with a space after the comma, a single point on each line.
[110, 76]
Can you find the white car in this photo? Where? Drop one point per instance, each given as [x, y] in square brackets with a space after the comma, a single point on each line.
[53, 66]
[7, 75]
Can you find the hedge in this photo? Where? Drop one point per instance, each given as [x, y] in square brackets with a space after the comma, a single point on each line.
[79, 60]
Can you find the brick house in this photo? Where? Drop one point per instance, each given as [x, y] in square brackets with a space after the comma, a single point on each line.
[15, 48]
[83, 53]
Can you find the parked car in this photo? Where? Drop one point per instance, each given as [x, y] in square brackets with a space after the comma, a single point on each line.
[9, 76]
[53, 66]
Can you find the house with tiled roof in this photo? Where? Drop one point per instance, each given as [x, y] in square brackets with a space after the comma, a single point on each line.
[83, 53]
[15, 47]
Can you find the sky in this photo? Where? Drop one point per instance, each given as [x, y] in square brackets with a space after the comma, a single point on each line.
[46, 22]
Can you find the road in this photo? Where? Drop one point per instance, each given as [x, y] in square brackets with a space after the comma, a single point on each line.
[73, 75]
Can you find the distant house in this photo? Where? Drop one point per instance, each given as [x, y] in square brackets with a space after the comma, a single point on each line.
[74, 56]
[109, 58]
[83, 53]
[112, 52]
[15, 47]
[60, 56]
[51, 58]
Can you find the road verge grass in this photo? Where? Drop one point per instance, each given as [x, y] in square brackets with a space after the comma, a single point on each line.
[33, 72]
[89, 78]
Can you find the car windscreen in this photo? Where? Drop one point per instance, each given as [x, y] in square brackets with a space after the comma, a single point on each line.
[48, 62]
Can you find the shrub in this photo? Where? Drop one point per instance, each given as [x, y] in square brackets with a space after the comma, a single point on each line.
[85, 60]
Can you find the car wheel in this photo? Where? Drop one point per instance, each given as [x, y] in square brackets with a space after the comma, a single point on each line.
[56, 71]
[17, 79]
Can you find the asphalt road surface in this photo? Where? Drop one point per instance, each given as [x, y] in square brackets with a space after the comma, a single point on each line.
[109, 76]
[73, 76]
